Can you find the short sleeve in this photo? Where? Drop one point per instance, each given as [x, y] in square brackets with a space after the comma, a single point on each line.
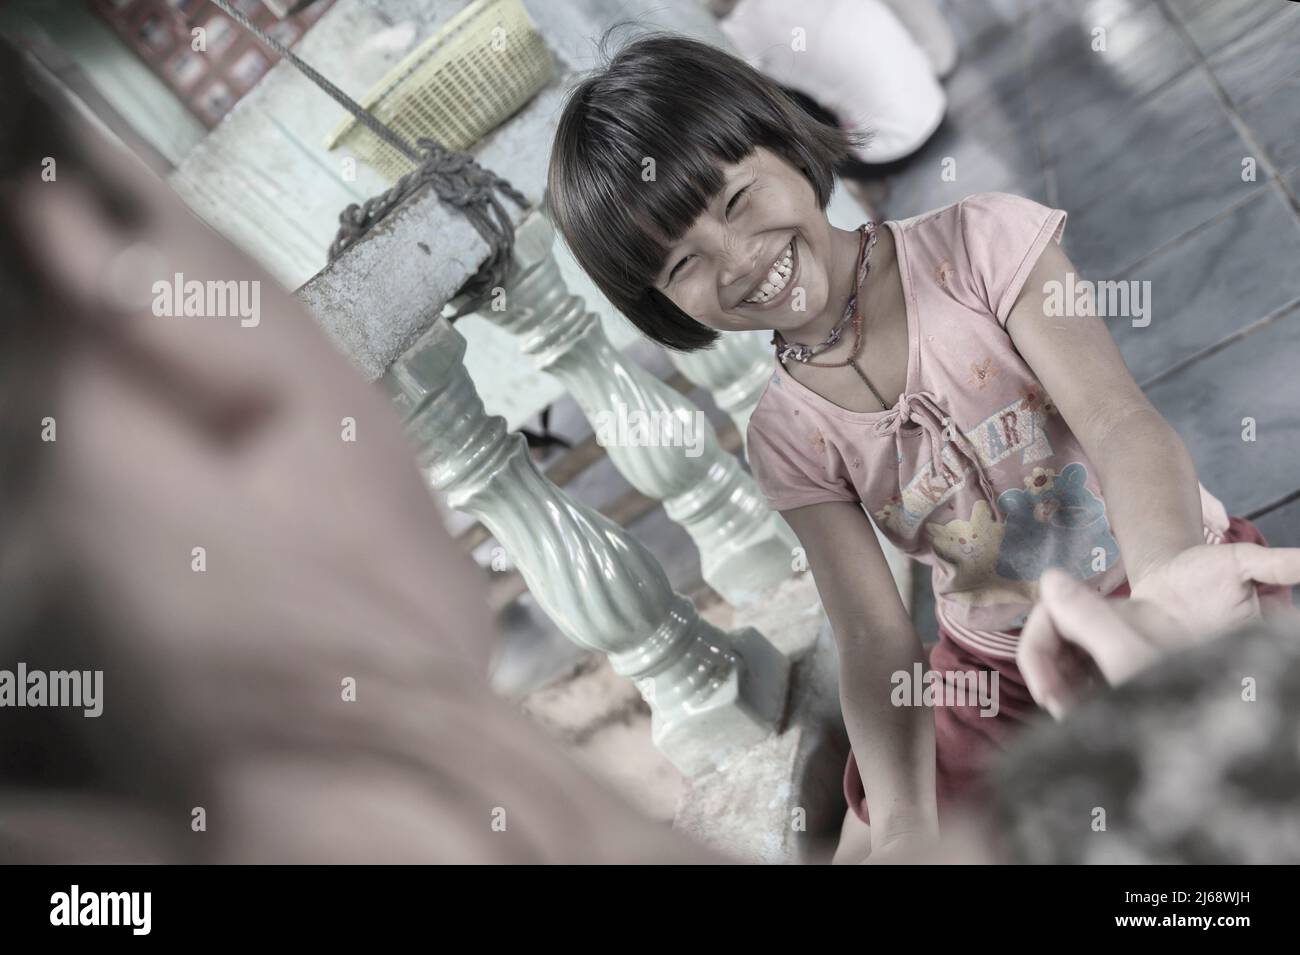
[1004, 236]
[788, 476]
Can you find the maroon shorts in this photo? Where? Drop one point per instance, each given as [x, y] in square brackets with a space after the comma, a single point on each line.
[966, 741]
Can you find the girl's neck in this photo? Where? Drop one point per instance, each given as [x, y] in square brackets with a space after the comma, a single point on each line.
[842, 274]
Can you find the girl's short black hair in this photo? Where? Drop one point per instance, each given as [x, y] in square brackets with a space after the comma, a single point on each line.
[689, 107]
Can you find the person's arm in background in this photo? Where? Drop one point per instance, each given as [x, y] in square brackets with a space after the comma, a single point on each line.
[894, 746]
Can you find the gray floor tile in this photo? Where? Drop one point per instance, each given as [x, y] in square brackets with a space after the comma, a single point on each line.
[1275, 124]
[922, 194]
[1254, 377]
[1063, 28]
[994, 78]
[1281, 528]
[1260, 62]
[1261, 75]
[1101, 12]
[1281, 525]
[1183, 115]
[1213, 24]
[977, 24]
[1232, 273]
[988, 153]
[1174, 164]
[1079, 92]
[1292, 180]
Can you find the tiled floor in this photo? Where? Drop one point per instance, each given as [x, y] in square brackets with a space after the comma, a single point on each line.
[1143, 145]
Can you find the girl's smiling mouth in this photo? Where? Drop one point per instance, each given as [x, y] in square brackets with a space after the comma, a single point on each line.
[773, 287]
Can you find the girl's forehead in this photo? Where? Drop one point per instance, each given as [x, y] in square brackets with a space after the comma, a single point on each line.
[760, 161]
[759, 158]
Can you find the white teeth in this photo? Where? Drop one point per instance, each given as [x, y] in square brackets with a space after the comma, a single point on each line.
[778, 274]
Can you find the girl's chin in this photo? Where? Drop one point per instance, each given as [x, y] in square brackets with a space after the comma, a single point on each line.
[774, 321]
[789, 323]
[785, 320]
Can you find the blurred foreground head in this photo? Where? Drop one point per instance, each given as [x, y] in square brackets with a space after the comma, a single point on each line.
[1196, 761]
[293, 653]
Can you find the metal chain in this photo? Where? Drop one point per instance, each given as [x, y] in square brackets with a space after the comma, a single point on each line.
[867, 381]
[804, 353]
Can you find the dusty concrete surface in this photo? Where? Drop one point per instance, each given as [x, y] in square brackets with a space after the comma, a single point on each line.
[601, 719]
[776, 802]
[781, 801]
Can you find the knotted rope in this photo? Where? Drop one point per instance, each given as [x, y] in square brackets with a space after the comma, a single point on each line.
[454, 176]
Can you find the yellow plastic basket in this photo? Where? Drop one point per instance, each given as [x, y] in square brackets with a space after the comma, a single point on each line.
[456, 87]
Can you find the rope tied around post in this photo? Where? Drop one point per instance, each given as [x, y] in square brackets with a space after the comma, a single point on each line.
[455, 177]
[458, 181]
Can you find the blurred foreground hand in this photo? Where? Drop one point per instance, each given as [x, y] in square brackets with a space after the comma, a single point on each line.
[1076, 641]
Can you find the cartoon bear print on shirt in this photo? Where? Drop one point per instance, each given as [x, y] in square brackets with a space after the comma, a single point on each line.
[971, 548]
[1055, 522]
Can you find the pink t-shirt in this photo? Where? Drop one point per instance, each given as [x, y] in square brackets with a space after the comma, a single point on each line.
[1002, 493]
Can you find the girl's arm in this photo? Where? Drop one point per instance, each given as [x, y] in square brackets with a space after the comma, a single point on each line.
[1152, 497]
[894, 746]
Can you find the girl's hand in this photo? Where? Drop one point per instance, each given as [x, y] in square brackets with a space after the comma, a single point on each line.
[1211, 587]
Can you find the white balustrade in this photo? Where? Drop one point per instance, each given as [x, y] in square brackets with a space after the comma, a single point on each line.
[712, 693]
[735, 370]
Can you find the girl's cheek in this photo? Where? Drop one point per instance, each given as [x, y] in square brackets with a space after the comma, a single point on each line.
[695, 306]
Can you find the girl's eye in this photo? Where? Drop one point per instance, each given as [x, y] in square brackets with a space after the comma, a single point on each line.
[731, 204]
[736, 198]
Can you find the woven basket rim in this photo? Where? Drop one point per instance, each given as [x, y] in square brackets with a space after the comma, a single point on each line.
[416, 58]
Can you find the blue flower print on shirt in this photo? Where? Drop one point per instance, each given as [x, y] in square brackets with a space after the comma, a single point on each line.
[1055, 522]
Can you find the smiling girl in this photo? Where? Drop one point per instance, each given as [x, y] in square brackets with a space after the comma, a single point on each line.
[916, 379]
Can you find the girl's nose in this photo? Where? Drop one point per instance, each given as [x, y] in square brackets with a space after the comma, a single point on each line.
[736, 266]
